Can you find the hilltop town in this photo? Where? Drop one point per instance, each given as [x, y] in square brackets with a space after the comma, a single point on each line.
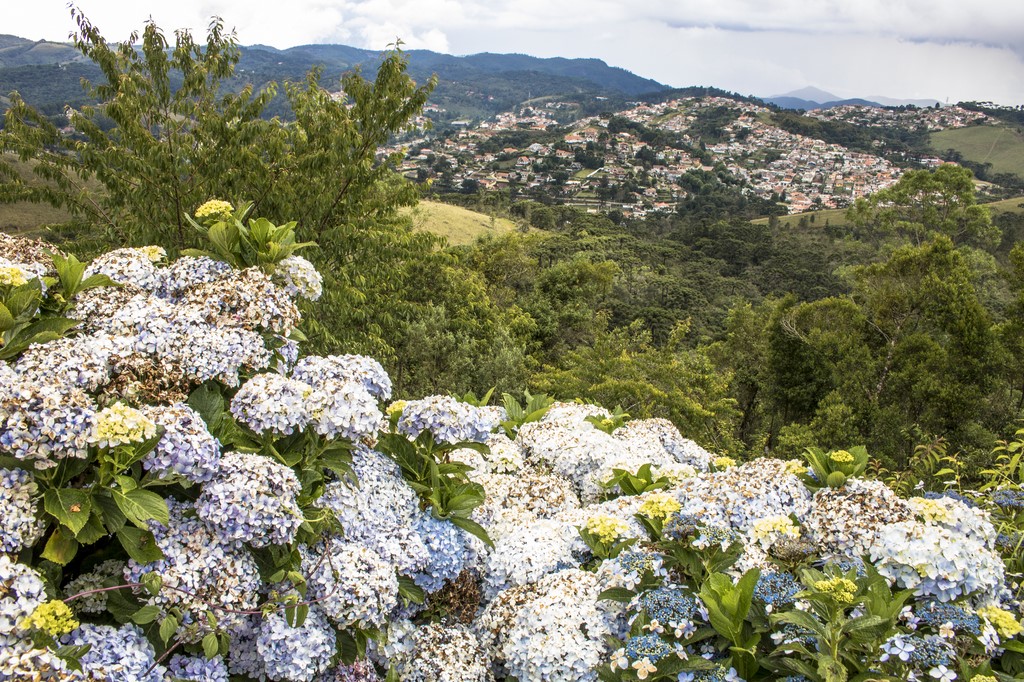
[647, 158]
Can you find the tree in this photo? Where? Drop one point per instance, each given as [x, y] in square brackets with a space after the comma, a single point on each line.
[167, 134]
[924, 204]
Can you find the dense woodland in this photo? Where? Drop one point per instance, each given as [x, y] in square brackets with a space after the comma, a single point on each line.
[899, 329]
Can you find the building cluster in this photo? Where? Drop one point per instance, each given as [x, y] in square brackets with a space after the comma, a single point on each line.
[593, 165]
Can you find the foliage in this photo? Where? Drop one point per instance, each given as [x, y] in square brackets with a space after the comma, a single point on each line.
[532, 409]
[833, 468]
[442, 485]
[924, 204]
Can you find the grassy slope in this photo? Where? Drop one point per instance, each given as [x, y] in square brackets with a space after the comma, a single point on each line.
[1000, 145]
[26, 218]
[457, 225]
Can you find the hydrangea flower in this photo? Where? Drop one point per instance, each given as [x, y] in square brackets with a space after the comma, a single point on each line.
[344, 409]
[442, 653]
[659, 506]
[41, 423]
[553, 630]
[448, 419]
[297, 654]
[21, 593]
[19, 526]
[606, 528]
[252, 499]
[351, 583]
[449, 551]
[130, 266]
[936, 561]
[120, 424]
[198, 669]
[186, 447]
[271, 402]
[107, 574]
[299, 278]
[81, 362]
[189, 271]
[214, 210]
[116, 654]
[768, 530]
[319, 371]
[776, 589]
[199, 570]
[247, 297]
[530, 552]
[671, 609]
[381, 512]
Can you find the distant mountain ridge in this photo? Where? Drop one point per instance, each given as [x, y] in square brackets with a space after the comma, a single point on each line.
[471, 85]
[815, 98]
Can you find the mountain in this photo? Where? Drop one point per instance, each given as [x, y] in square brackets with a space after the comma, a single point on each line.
[815, 98]
[47, 75]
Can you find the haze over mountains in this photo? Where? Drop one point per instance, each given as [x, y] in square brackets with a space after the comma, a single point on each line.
[815, 98]
[470, 85]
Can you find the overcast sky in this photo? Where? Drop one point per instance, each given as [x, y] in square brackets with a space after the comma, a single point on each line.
[935, 49]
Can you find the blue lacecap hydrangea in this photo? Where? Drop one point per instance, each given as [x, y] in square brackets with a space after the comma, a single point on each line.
[1009, 499]
[951, 494]
[650, 646]
[777, 588]
[670, 605]
[936, 614]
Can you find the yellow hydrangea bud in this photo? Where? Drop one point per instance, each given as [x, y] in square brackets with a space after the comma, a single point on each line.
[841, 456]
[215, 209]
[53, 617]
[723, 462]
[12, 276]
[606, 528]
[659, 506]
[396, 407]
[1003, 621]
[841, 590]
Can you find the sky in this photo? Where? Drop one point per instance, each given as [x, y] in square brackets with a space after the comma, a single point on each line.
[943, 50]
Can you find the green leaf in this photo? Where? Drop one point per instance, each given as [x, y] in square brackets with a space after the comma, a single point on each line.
[61, 548]
[93, 531]
[71, 506]
[168, 626]
[211, 647]
[6, 319]
[147, 614]
[141, 506]
[209, 403]
[473, 528]
[112, 516]
[152, 582]
[410, 591]
[140, 545]
[619, 594]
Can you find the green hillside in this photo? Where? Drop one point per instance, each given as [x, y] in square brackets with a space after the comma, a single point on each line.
[456, 224]
[1000, 145]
